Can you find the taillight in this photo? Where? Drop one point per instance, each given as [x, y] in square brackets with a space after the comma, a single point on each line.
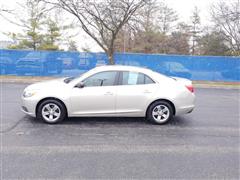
[190, 88]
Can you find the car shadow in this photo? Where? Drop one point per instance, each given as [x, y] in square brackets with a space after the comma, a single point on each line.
[96, 121]
[181, 121]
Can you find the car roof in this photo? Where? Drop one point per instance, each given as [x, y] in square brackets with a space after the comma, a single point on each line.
[122, 68]
[156, 76]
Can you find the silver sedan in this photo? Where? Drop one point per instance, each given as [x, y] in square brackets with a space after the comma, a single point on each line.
[124, 91]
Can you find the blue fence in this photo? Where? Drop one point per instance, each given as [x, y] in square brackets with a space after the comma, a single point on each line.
[49, 63]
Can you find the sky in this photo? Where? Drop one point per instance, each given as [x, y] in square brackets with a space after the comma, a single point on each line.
[184, 9]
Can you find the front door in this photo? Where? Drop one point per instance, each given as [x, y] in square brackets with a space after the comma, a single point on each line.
[97, 97]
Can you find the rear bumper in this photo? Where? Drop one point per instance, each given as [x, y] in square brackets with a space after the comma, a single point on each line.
[184, 110]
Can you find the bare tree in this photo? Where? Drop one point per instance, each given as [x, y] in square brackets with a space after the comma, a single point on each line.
[178, 41]
[213, 43]
[227, 20]
[147, 16]
[4, 12]
[101, 19]
[195, 28]
[157, 16]
[166, 17]
[151, 27]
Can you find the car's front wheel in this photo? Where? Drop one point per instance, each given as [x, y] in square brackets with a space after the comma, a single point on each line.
[160, 112]
[51, 111]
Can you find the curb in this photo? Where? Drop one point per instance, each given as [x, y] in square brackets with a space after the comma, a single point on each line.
[207, 86]
[218, 85]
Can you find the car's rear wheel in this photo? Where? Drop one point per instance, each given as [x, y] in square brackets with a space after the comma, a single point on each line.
[160, 112]
[51, 111]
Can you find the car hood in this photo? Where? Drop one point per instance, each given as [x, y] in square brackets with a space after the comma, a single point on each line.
[46, 85]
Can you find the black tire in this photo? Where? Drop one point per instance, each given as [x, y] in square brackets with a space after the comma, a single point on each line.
[160, 104]
[51, 102]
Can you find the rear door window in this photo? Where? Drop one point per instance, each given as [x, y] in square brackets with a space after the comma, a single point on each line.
[134, 78]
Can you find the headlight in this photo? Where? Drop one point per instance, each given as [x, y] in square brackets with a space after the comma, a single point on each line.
[28, 93]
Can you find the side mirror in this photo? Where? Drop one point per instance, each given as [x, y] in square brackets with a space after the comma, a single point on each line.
[79, 85]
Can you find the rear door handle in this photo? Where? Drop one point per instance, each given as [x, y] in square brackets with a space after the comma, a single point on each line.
[108, 94]
[147, 92]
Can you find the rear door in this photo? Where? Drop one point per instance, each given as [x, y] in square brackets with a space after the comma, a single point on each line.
[134, 92]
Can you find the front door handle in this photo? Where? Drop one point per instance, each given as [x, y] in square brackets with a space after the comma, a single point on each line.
[108, 94]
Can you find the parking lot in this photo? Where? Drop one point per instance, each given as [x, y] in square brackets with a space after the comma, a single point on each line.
[203, 144]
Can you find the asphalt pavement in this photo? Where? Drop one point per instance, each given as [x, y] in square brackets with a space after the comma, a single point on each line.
[200, 145]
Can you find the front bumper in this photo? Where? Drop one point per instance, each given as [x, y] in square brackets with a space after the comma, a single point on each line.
[29, 106]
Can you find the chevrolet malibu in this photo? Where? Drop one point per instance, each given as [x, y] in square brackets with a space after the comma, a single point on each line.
[122, 91]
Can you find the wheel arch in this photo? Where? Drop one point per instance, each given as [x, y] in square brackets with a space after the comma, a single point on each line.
[51, 98]
[166, 100]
